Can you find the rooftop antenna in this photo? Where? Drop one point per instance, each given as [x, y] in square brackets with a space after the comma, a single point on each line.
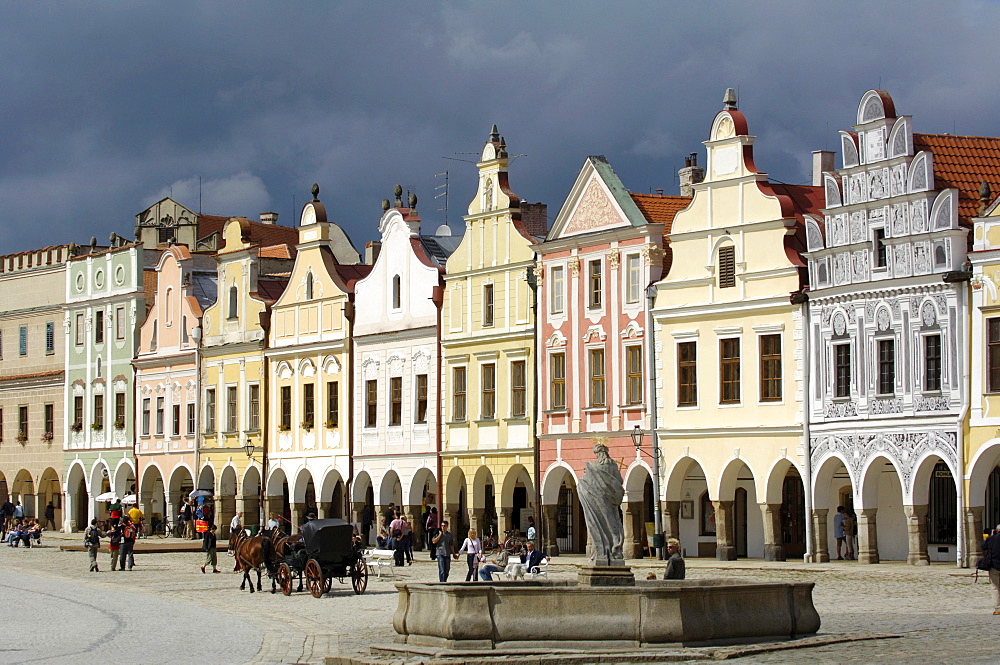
[443, 194]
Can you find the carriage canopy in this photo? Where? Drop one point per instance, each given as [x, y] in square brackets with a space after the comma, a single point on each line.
[329, 540]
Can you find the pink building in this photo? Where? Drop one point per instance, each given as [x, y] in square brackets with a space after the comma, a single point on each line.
[604, 248]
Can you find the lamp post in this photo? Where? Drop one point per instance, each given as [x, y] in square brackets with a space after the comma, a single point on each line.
[637, 435]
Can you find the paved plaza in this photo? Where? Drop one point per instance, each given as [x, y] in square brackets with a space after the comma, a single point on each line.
[166, 610]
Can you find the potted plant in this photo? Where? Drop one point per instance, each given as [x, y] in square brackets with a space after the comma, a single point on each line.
[284, 428]
[331, 423]
[97, 426]
[47, 437]
[307, 423]
[77, 426]
[21, 438]
[119, 423]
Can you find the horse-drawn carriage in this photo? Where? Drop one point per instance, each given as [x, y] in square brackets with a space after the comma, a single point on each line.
[327, 551]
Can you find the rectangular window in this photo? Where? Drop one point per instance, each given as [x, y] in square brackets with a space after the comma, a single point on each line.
[687, 374]
[770, 368]
[119, 409]
[458, 394]
[50, 418]
[159, 415]
[210, 410]
[727, 267]
[232, 414]
[50, 340]
[309, 404]
[557, 376]
[633, 365]
[879, 248]
[78, 410]
[99, 327]
[145, 416]
[421, 414]
[886, 366]
[99, 410]
[190, 418]
[633, 278]
[254, 399]
[79, 329]
[557, 289]
[396, 401]
[286, 408]
[842, 370]
[729, 370]
[120, 323]
[332, 404]
[175, 412]
[371, 403]
[597, 394]
[518, 389]
[993, 354]
[22, 340]
[487, 305]
[489, 393]
[932, 363]
[22, 421]
[595, 290]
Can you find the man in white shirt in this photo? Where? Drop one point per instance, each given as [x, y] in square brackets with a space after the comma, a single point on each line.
[237, 524]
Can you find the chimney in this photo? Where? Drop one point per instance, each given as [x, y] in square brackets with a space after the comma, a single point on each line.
[372, 250]
[534, 216]
[268, 218]
[822, 161]
[690, 175]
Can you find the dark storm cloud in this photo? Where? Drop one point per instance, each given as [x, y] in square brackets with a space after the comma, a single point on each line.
[107, 107]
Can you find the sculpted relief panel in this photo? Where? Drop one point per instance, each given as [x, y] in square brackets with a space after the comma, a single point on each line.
[594, 210]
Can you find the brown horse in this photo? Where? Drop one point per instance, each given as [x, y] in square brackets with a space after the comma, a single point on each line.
[251, 553]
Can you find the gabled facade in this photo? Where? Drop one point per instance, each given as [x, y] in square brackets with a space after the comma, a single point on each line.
[105, 304]
[729, 343]
[167, 409]
[604, 248]
[488, 385]
[396, 369]
[308, 358]
[251, 278]
[888, 331]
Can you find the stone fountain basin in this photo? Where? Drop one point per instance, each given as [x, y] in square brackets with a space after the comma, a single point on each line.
[565, 615]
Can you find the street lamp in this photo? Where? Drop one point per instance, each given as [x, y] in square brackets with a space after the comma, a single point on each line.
[249, 448]
[637, 435]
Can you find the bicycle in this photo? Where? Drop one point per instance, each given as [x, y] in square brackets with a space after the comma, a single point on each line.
[164, 529]
[490, 542]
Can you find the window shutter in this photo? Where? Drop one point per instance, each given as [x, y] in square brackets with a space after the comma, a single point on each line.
[727, 267]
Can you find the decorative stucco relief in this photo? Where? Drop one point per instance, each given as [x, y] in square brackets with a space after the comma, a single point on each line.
[594, 210]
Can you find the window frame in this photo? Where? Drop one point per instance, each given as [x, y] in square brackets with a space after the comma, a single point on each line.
[78, 412]
[557, 290]
[22, 340]
[634, 372]
[146, 415]
[371, 403]
[557, 381]
[175, 419]
[285, 407]
[843, 370]
[119, 323]
[50, 339]
[488, 304]
[420, 397]
[595, 283]
[99, 326]
[333, 404]
[80, 330]
[885, 373]
[23, 422]
[518, 389]
[730, 386]
[933, 365]
[459, 392]
[253, 402]
[191, 425]
[49, 418]
[633, 279]
[488, 391]
[232, 409]
[160, 416]
[993, 354]
[99, 410]
[309, 404]
[771, 386]
[395, 401]
[597, 378]
[880, 250]
[687, 374]
[210, 422]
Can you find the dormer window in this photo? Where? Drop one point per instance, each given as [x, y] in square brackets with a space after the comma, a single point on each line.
[727, 267]
[233, 301]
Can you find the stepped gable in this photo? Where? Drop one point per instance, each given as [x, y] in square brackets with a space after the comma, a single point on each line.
[798, 201]
[661, 209]
[963, 162]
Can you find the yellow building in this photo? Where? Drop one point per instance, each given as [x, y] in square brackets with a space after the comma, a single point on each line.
[488, 448]
[729, 342]
[250, 278]
[308, 375]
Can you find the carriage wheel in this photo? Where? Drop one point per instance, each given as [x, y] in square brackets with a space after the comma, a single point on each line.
[314, 578]
[327, 584]
[285, 578]
[359, 576]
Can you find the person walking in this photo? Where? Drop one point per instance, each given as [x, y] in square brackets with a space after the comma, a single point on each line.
[129, 534]
[115, 543]
[444, 545]
[431, 529]
[50, 517]
[208, 543]
[92, 540]
[838, 529]
[473, 548]
[991, 555]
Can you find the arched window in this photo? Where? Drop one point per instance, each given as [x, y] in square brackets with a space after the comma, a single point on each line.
[233, 297]
[152, 339]
[168, 304]
[396, 296]
[309, 286]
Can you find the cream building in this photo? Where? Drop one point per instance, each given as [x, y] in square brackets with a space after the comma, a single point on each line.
[251, 278]
[308, 370]
[729, 350]
[488, 453]
[396, 368]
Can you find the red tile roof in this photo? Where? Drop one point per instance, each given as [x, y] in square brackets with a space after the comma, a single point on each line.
[661, 209]
[33, 375]
[351, 274]
[963, 162]
[260, 233]
[271, 289]
[278, 252]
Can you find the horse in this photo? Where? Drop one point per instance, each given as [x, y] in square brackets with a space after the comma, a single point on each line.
[251, 553]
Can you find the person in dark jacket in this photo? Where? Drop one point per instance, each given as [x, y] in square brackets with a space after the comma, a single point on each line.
[208, 543]
[991, 552]
[675, 562]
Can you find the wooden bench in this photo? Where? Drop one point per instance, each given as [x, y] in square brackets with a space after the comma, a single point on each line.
[379, 559]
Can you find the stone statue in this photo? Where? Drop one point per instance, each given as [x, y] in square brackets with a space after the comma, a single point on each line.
[601, 492]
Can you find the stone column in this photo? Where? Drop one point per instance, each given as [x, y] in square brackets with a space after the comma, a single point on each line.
[452, 517]
[505, 521]
[477, 518]
[867, 539]
[169, 511]
[774, 549]
[325, 510]
[357, 515]
[821, 547]
[414, 518]
[550, 513]
[974, 534]
[635, 531]
[298, 515]
[916, 531]
[725, 533]
[671, 520]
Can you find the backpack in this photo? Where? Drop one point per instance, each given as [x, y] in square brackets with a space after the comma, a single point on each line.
[90, 538]
[116, 538]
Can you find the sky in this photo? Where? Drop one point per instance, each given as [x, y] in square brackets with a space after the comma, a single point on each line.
[107, 107]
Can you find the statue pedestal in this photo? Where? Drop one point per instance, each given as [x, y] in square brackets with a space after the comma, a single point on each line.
[616, 576]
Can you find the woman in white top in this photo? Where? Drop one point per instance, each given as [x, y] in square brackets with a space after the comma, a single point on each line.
[473, 547]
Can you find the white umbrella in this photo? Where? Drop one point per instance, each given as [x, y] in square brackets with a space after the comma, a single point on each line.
[107, 496]
[128, 499]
